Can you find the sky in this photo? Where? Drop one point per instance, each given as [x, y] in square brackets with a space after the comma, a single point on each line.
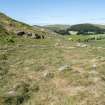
[42, 12]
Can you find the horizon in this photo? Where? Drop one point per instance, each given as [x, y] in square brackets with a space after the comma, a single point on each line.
[37, 12]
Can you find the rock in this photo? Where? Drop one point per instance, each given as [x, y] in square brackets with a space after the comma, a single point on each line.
[81, 45]
[29, 34]
[11, 93]
[65, 67]
[48, 74]
[94, 66]
[33, 36]
[38, 36]
[20, 33]
[43, 36]
[84, 45]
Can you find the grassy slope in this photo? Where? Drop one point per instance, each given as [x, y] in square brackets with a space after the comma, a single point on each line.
[3, 32]
[13, 26]
[57, 28]
[26, 63]
[100, 26]
[29, 72]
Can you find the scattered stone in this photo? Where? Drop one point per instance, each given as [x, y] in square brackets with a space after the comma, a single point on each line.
[48, 74]
[84, 45]
[11, 93]
[81, 45]
[65, 67]
[71, 47]
[94, 66]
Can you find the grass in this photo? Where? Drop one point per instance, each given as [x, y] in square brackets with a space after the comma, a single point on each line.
[24, 63]
[86, 38]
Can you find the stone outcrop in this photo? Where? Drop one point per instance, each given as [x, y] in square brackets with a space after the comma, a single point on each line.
[20, 33]
[30, 34]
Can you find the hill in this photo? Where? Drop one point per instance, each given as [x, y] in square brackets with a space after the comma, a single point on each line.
[15, 26]
[60, 29]
[88, 28]
[3, 31]
[53, 71]
[85, 28]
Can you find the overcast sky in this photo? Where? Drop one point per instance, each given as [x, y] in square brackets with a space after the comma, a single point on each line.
[55, 11]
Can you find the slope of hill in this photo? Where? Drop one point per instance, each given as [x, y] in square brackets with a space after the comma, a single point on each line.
[53, 71]
[60, 29]
[88, 28]
[100, 26]
[11, 24]
[14, 26]
[85, 28]
[3, 31]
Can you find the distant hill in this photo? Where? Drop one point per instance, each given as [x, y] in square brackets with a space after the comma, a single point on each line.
[100, 26]
[60, 29]
[85, 28]
[88, 28]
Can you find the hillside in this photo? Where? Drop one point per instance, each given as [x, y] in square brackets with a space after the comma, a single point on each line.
[100, 26]
[12, 25]
[3, 31]
[60, 29]
[88, 28]
[85, 28]
[50, 71]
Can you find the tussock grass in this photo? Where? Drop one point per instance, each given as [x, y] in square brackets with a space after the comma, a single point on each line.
[29, 72]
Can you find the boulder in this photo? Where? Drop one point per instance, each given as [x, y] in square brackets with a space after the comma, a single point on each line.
[38, 36]
[29, 34]
[20, 33]
[43, 37]
[33, 36]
